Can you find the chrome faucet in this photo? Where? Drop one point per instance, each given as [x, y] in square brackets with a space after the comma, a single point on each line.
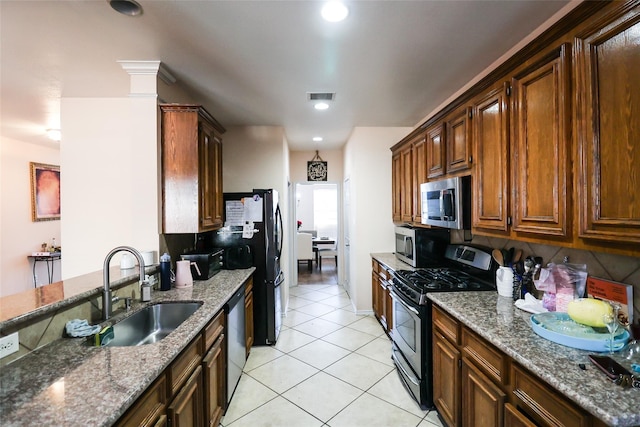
[107, 300]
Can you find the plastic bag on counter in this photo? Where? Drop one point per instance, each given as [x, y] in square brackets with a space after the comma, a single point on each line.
[561, 283]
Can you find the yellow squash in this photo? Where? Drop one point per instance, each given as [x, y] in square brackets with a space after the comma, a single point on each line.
[589, 311]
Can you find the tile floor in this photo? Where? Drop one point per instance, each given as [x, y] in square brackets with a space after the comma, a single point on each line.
[330, 367]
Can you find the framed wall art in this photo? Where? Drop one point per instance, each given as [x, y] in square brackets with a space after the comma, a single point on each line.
[45, 192]
[317, 169]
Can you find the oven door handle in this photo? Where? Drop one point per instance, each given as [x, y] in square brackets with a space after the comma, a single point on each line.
[406, 374]
[404, 304]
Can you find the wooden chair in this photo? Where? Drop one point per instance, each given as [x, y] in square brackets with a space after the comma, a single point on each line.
[304, 248]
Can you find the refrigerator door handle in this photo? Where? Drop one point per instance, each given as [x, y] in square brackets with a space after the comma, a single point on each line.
[279, 231]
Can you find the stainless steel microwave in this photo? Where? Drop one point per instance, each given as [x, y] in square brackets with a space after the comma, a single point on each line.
[447, 203]
[421, 247]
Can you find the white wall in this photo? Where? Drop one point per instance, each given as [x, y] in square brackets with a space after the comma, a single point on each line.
[258, 157]
[19, 235]
[110, 179]
[334, 159]
[368, 166]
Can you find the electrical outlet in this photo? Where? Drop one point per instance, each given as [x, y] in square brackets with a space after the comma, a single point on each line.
[9, 345]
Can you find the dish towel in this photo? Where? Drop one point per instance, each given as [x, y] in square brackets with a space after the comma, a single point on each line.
[81, 328]
[530, 304]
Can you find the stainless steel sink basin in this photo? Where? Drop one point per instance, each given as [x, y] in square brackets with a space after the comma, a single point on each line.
[152, 323]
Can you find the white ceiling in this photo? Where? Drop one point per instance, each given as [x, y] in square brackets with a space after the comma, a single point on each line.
[253, 62]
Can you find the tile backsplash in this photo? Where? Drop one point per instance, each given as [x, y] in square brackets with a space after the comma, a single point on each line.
[619, 268]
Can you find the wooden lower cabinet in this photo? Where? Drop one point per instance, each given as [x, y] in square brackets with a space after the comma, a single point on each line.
[150, 408]
[483, 401]
[248, 313]
[476, 384]
[514, 418]
[186, 410]
[191, 392]
[214, 371]
[544, 404]
[446, 379]
[381, 295]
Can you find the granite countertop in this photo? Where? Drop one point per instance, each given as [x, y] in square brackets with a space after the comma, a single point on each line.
[27, 305]
[73, 384]
[497, 320]
[390, 261]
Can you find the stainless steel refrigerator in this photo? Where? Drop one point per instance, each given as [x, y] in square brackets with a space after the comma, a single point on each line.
[260, 208]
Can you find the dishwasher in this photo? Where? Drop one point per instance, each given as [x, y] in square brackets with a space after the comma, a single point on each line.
[236, 340]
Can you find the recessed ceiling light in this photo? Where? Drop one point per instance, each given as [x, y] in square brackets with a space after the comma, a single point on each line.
[54, 134]
[126, 7]
[321, 106]
[317, 139]
[334, 11]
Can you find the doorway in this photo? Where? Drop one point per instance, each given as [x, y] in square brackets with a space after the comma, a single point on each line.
[316, 212]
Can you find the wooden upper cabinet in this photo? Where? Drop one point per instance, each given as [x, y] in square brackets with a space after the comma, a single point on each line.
[396, 189]
[608, 126]
[419, 173]
[191, 169]
[541, 143]
[491, 151]
[406, 155]
[435, 151]
[210, 177]
[458, 133]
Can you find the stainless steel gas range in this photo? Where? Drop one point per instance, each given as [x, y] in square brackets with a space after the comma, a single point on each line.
[465, 268]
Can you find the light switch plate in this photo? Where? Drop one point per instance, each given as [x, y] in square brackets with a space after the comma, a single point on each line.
[9, 345]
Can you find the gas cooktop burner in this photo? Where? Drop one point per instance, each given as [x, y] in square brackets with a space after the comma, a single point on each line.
[441, 279]
[468, 269]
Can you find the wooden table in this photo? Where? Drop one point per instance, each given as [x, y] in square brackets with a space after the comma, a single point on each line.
[321, 241]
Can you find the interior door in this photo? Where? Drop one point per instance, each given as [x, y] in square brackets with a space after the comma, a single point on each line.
[346, 208]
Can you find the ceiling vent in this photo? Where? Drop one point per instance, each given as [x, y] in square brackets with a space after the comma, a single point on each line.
[321, 96]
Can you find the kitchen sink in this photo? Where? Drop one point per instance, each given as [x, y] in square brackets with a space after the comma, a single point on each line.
[152, 323]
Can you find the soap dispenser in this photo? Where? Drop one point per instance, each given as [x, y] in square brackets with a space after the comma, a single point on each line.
[165, 272]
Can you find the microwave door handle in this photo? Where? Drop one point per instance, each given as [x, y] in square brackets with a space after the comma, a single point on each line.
[408, 247]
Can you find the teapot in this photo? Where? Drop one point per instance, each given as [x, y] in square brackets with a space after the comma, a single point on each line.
[184, 279]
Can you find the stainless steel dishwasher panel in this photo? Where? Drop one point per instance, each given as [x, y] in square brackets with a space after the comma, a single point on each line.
[236, 340]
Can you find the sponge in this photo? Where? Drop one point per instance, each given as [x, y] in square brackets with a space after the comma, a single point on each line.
[103, 337]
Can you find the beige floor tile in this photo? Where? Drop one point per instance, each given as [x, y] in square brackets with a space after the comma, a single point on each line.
[295, 302]
[348, 338]
[358, 370]
[337, 301]
[322, 395]
[342, 317]
[317, 327]
[369, 325]
[334, 290]
[295, 317]
[299, 290]
[283, 373]
[391, 390]
[431, 420]
[290, 339]
[309, 397]
[278, 412]
[319, 354]
[369, 411]
[260, 355]
[316, 309]
[315, 296]
[379, 349]
[249, 395]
